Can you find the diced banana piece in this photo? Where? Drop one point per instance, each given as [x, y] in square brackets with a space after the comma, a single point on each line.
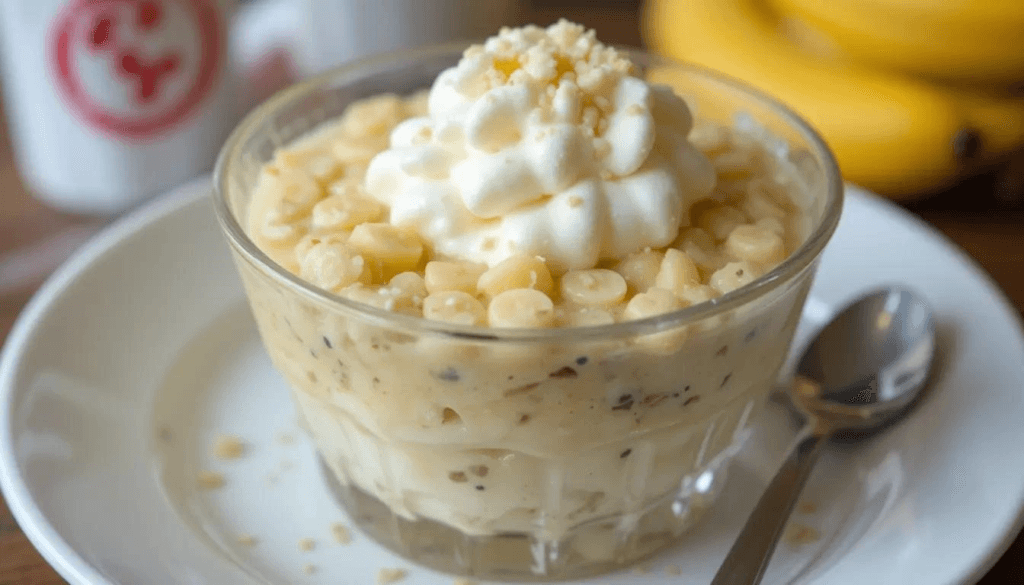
[521, 308]
[317, 161]
[755, 244]
[734, 275]
[345, 209]
[640, 269]
[373, 116]
[441, 276]
[310, 240]
[677, 272]
[516, 272]
[596, 287]
[454, 306]
[295, 190]
[695, 295]
[701, 248]
[364, 294]
[696, 235]
[280, 231]
[757, 206]
[655, 301]
[408, 285]
[720, 221]
[387, 249]
[780, 195]
[381, 298]
[773, 225]
[331, 266]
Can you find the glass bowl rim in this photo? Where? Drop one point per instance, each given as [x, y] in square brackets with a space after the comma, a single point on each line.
[801, 259]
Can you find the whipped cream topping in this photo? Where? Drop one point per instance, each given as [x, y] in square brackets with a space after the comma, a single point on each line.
[543, 142]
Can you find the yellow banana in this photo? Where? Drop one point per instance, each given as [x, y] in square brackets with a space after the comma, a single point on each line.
[998, 120]
[995, 117]
[889, 133]
[952, 13]
[962, 41]
[970, 11]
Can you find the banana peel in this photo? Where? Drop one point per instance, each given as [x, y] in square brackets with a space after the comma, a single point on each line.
[893, 134]
[951, 41]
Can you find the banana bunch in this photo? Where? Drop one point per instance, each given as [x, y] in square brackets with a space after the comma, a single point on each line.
[911, 95]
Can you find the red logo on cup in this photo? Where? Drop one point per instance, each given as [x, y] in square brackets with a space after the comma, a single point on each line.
[136, 68]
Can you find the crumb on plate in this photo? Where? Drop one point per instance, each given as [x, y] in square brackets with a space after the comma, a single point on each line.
[340, 533]
[309, 568]
[228, 447]
[807, 508]
[307, 544]
[210, 480]
[386, 576]
[247, 540]
[798, 534]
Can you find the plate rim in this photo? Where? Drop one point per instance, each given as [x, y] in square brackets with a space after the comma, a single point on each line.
[1015, 525]
[74, 568]
[60, 555]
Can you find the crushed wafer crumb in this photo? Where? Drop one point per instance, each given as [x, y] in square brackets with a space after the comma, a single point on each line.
[228, 447]
[285, 438]
[287, 464]
[247, 540]
[340, 533]
[798, 534]
[309, 568]
[386, 576]
[307, 544]
[673, 570]
[210, 480]
[807, 508]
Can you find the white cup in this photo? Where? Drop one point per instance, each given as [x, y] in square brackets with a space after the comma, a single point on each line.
[111, 102]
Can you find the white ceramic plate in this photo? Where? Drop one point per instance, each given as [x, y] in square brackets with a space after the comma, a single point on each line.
[140, 351]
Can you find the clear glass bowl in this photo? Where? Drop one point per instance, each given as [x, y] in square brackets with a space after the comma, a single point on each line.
[521, 454]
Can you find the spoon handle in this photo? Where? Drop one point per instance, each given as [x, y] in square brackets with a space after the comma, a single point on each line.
[748, 558]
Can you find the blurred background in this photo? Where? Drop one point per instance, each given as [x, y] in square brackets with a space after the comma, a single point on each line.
[921, 100]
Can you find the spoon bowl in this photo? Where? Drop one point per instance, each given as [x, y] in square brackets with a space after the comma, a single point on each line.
[870, 362]
[864, 370]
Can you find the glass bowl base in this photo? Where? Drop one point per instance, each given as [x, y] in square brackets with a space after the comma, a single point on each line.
[591, 548]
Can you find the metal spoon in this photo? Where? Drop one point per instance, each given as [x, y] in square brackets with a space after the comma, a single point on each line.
[862, 371]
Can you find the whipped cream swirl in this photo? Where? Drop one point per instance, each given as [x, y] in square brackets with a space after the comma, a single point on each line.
[543, 142]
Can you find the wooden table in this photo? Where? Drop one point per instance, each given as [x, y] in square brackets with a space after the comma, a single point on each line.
[989, 230]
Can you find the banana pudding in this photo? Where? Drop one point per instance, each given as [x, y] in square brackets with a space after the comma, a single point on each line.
[526, 315]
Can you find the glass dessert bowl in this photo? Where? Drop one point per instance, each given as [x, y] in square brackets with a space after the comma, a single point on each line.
[509, 414]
